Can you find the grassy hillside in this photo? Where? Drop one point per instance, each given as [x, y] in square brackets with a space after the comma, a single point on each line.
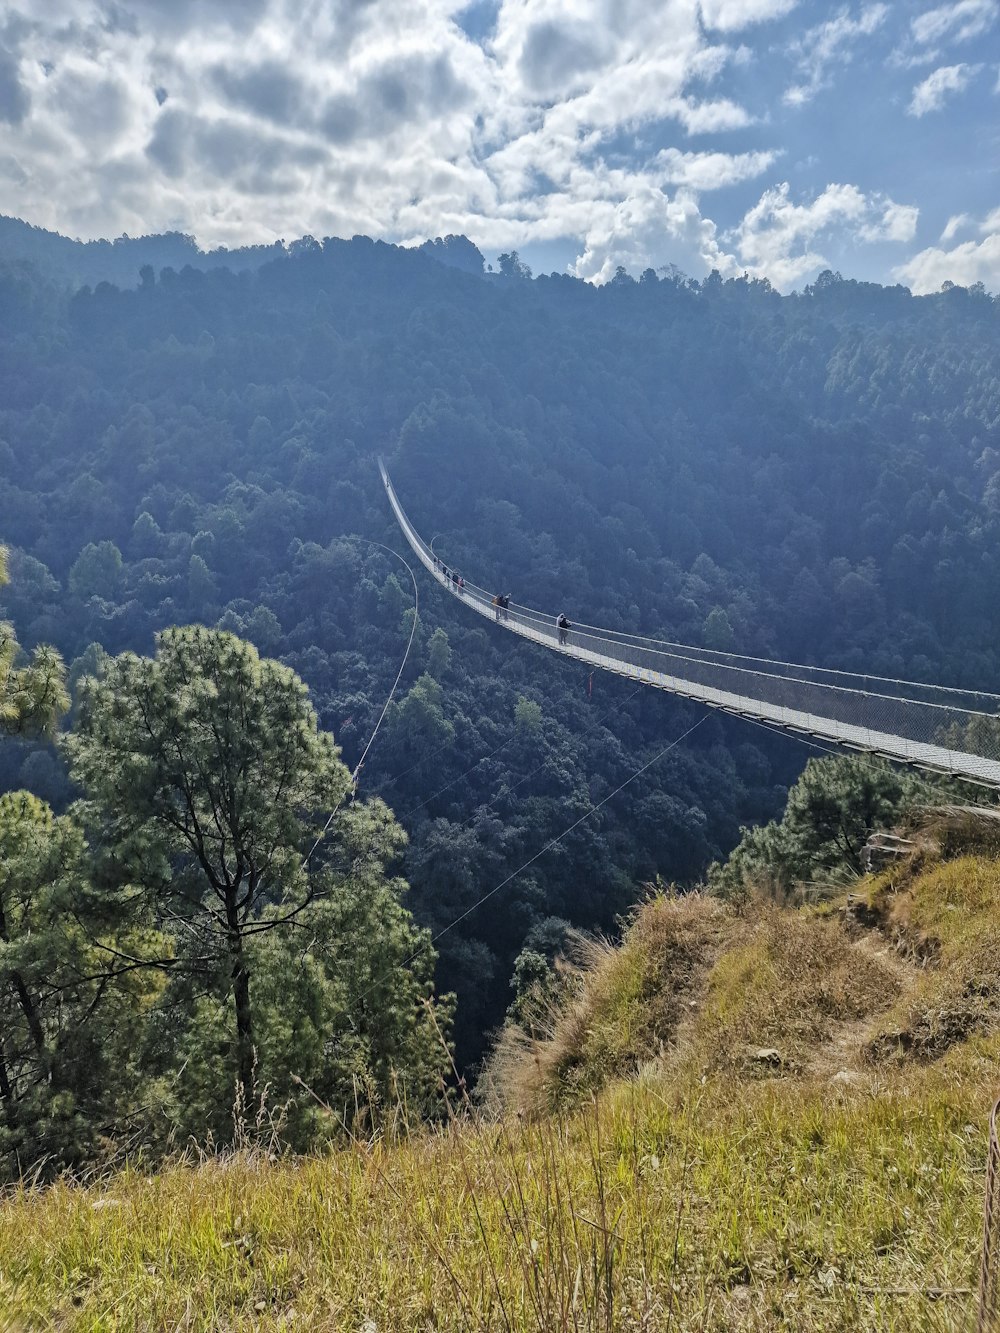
[773, 1205]
[761, 1119]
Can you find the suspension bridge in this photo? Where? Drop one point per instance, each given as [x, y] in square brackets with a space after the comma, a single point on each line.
[944, 730]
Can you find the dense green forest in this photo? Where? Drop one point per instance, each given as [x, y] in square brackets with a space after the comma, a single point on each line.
[815, 477]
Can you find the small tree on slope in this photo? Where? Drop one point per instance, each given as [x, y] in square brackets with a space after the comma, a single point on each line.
[206, 781]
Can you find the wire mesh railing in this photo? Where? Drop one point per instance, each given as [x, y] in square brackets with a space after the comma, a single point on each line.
[949, 731]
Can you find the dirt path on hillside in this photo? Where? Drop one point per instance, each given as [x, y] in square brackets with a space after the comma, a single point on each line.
[841, 1058]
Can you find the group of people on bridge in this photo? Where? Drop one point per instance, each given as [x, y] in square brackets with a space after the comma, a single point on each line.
[501, 607]
[500, 601]
[452, 575]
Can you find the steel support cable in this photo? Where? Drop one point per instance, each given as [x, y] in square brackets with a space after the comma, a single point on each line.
[545, 624]
[710, 655]
[399, 675]
[398, 777]
[566, 832]
[418, 952]
[412, 810]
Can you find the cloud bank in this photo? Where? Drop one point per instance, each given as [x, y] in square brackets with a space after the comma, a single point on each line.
[971, 262]
[618, 132]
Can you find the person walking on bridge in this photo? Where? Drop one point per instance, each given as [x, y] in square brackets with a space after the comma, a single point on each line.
[497, 605]
[564, 627]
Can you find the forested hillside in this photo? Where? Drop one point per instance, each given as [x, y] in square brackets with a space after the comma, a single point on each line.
[815, 477]
[71, 263]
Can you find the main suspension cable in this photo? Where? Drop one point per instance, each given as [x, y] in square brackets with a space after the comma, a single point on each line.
[399, 675]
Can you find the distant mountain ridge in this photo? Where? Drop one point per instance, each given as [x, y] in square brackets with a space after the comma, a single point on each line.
[73, 263]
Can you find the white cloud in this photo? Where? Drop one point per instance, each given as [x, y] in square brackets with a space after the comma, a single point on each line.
[708, 117]
[933, 31]
[958, 22]
[647, 229]
[954, 225]
[711, 171]
[971, 262]
[829, 43]
[780, 240]
[731, 15]
[934, 91]
[897, 223]
[775, 237]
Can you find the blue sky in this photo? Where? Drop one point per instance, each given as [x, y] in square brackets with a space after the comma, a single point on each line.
[778, 137]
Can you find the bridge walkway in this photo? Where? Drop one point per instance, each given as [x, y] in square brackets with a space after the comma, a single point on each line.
[632, 659]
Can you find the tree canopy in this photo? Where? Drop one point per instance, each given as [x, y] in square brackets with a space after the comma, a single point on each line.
[831, 811]
[208, 787]
[32, 694]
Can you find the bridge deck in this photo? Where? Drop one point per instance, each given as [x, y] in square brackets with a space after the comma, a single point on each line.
[624, 661]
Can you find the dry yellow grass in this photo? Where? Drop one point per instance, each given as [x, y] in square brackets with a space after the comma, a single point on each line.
[785, 986]
[948, 916]
[628, 1007]
[710, 986]
[780, 1205]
